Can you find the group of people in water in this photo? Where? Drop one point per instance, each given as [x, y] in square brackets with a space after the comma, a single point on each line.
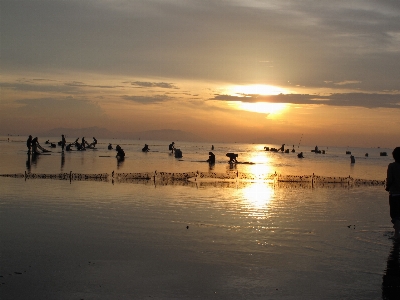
[33, 145]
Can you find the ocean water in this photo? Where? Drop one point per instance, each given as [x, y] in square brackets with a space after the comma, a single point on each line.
[126, 238]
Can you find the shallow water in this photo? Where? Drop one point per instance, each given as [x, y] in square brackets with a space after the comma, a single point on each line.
[334, 163]
[64, 239]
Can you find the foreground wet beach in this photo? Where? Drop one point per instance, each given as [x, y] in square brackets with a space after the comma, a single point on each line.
[133, 239]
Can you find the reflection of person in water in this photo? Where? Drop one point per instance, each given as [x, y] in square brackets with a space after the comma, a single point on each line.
[28, 162]
[393, 187]
[120, 152]
[145, 148]
[211, 158]
[391, 278]
[62, 160]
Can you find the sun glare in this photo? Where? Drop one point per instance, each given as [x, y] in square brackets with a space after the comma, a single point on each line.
[262, 107]
[257, 89]
[257, 198]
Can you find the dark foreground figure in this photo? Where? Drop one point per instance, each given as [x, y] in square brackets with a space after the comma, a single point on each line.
[393, 187]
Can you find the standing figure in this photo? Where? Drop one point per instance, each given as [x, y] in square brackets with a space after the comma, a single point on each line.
[393, 187]
[83, 146]
[211, 158]
[29, 144]
[63, 142]
[35, 144]
[171, 147]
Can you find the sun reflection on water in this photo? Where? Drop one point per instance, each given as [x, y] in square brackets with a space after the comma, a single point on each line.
[259, 193]
[256, 199]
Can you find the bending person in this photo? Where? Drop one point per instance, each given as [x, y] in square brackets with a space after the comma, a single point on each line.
[120, 152]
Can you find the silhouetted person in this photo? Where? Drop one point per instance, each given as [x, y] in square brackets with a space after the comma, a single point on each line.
[110, 147]
[352, 159]
[120, 152]
[83, 146]
[171, 147]
[282, 148]
[178, 153]
[145, 148]
[293, 149]
[300, 155]
[68, 148]
[211, 158]
[393, 187]
[29, 143]
[35, 144]
[212, 147]
[232, 157]
[63, 142]
[316, 149]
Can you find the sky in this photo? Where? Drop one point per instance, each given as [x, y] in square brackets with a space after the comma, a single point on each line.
[326, 72]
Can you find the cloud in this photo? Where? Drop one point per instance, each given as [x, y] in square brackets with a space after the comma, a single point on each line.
[344, 99]
[33, 87]
[346, 82]
[59, 107]
[81, 84]
[148, 99]
[210, 40]
[163, 85]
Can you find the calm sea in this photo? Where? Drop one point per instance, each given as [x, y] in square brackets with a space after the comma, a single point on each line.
[116, 238]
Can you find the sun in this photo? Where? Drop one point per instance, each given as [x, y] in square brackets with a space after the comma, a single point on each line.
[258, 107]
[262, 107]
